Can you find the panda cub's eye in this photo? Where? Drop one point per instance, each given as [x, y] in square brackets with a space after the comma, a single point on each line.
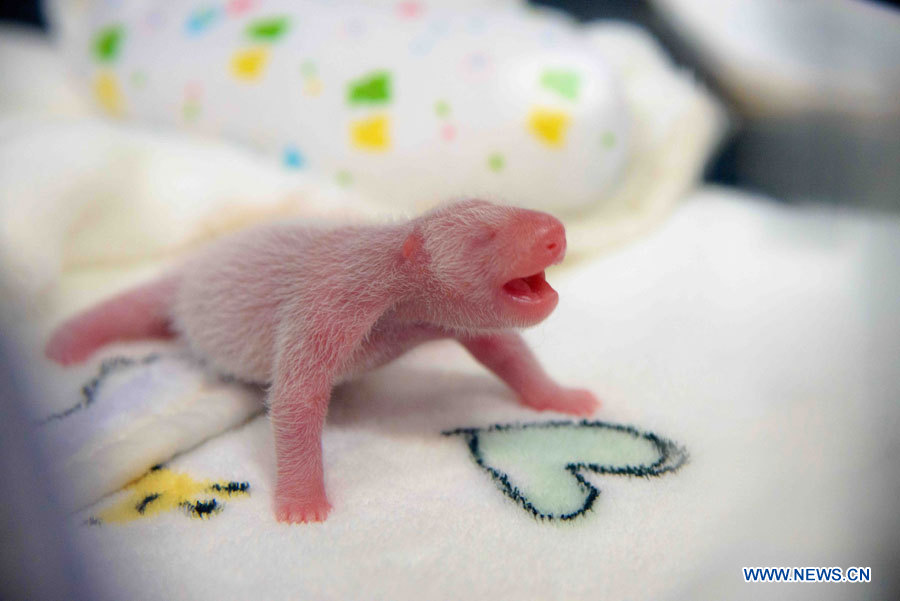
[487, 236]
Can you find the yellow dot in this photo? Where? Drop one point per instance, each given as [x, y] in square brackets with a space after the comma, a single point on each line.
[371, 134]
[106, 89]
[312, 87]
[549, 126]
[248, 64]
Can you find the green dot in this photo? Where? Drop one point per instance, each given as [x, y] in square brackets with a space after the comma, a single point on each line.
[344, 178]
[374, 88]
[308, 69]
[561, 81]
[496, 162]
[268, 30]
[608, 139]
[191, 111]
[139, 79]
[442, 108]
[108, 43]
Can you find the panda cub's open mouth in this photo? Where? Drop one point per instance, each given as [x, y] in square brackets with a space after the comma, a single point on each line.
[531, 288]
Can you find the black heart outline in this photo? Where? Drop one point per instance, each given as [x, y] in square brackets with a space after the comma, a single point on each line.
[671, 457]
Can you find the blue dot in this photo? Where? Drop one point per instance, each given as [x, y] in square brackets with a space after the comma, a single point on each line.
[201, 20]
[293, 159]
[420, 46]
[439, 26]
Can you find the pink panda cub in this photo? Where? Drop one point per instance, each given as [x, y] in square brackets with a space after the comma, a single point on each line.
[303, 308]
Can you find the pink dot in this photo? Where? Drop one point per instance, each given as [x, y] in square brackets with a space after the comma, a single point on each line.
[193, 90]
[409, 10]
[448, 132]
[236, 7]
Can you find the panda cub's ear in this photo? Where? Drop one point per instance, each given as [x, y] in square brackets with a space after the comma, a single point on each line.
[412, 247]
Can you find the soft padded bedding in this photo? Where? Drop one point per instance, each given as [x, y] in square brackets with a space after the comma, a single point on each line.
[754, 341]
[744, 351]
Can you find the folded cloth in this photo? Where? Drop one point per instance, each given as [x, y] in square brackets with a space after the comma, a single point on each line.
[411, 103]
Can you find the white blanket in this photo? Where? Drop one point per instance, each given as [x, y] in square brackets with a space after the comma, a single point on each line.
[760, 339]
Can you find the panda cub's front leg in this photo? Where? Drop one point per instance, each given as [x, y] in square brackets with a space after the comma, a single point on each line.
[298, 404]
[313, 347]
[508, 356]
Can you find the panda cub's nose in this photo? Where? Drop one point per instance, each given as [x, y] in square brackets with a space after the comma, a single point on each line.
[551, 238]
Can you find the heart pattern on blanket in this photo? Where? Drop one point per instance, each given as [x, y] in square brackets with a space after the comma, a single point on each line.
[541, 465]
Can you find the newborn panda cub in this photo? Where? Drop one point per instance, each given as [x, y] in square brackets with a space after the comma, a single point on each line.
[303, 308]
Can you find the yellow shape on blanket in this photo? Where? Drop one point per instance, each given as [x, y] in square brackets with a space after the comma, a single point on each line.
[312, 87]
[108, 93]
[248, 64]
[164, 490]
[371, 134]
[549, 126]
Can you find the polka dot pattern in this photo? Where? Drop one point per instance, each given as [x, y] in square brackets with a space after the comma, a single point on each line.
[459, 99]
